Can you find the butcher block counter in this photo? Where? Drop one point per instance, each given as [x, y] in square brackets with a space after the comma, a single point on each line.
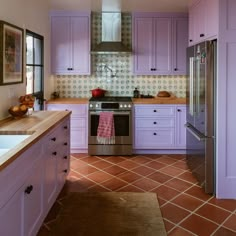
[156, 100]
[35, 125]
[68, 101]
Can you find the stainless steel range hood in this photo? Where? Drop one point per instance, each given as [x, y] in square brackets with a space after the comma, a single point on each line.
[111, 29]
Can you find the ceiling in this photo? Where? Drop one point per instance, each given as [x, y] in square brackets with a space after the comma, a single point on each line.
[126, 5]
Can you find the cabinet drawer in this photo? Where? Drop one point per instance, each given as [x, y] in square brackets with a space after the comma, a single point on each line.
[78, 123]
[154, 122]
[154, 111]
[77, 110]
[154, 139]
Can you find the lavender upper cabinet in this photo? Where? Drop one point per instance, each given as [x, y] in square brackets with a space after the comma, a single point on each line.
[203, 19]
[179, 45]
[70, 43]
[159, 43]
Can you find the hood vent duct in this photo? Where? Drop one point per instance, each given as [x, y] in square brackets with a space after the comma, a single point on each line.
[111, 29]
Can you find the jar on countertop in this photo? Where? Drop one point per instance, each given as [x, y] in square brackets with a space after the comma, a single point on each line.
[136, 93]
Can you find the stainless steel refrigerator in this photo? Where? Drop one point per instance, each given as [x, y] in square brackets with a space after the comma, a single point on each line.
[201, 61]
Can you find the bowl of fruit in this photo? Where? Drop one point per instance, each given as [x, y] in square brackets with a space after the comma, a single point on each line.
[18, 111]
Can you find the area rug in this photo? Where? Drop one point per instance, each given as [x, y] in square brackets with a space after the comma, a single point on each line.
[109, 214]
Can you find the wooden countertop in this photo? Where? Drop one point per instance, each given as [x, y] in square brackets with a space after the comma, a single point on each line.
[37, 124]
[68, 101]
[171, 100]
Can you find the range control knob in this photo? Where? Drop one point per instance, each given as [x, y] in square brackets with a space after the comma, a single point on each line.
[125, 105]
[129, 106]
[90, 105]
[97, 105]
[121, 105]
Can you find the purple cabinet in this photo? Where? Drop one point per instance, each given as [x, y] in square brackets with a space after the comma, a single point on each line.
[79, 124]
[70, 43]
[203, 20]
[159, 43]
[159, 127]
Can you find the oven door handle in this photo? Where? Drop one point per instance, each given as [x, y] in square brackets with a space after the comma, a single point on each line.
[114, 112]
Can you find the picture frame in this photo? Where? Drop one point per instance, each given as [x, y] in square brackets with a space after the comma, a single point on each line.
[11, 53]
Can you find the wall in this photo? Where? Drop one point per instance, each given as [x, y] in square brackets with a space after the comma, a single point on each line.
[121, 81]
[32, 15]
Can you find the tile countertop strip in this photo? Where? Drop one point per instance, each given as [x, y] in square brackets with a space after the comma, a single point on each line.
[68, 101]
[159, 100]
[38, 124]
[135, 101]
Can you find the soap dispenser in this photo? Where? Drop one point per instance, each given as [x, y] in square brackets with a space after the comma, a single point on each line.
[136, 93]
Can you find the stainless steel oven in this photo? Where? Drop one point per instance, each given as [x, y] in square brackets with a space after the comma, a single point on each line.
[122, 112]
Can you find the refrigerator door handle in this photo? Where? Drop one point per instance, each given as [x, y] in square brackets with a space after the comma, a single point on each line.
[195, 134]
[191, 85]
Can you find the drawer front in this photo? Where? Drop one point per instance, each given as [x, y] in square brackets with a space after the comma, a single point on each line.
[78, 123]
[77, 110]
[154, 139]
[154, 122]
[144, 111]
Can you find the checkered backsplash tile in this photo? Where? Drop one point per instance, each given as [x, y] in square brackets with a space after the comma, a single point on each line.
[114, 72]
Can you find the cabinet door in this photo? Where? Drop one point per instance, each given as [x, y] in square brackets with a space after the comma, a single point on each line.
[199, 21]
[143, 46]
[11, 216]
[180, 128]
[191, 26]
[180, 44]
[162, 46]
[212, 18]
[33, 199]
[61, 47]
[80, 31]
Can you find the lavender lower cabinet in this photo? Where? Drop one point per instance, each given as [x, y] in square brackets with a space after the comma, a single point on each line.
[22, 212]
[159, 127]
[30, 184]
[79, 125]
[180, 126]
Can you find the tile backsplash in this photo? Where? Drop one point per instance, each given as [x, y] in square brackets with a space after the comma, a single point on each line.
[114, 72]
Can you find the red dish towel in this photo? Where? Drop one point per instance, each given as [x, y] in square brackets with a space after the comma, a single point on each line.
[106, 128]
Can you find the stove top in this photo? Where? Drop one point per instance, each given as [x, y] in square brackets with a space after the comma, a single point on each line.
[111, 99]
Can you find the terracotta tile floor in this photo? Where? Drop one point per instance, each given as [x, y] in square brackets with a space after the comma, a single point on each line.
[186, 209]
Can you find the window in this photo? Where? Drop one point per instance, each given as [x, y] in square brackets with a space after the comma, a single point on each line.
[34, 67]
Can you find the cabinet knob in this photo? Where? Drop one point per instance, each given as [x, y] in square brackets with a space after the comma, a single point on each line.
[54, 153]
[202, 35]
[190, 40]
[154, 122]
[29, 189]
[54, 139]
[69, 68]
[65, 157]
[65, 144]
[175, 69]
[65, 171]
[154, 133]
[179, 110]
[65, 127]
[154, 110]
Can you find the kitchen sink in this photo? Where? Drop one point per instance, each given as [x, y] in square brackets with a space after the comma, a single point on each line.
[9, 141]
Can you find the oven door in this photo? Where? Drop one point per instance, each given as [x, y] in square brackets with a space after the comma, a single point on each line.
[122, 123]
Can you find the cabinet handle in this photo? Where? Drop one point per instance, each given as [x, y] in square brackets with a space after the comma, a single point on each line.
[190, 40]
[53, 139]
[65, 127]
[154, 122]
[154, 133]
[202, 35]
[54, 153]
[175, 69]
[154, 110]
[65, 144]
[179, 110]
[151, 69]
[29, 189]
[65, 171]
[65, 157]
[69, 68]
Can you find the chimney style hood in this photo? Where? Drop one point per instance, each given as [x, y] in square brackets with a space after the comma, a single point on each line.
[111, 29]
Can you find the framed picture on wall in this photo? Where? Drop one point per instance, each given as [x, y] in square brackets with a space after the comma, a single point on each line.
[11, 54]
